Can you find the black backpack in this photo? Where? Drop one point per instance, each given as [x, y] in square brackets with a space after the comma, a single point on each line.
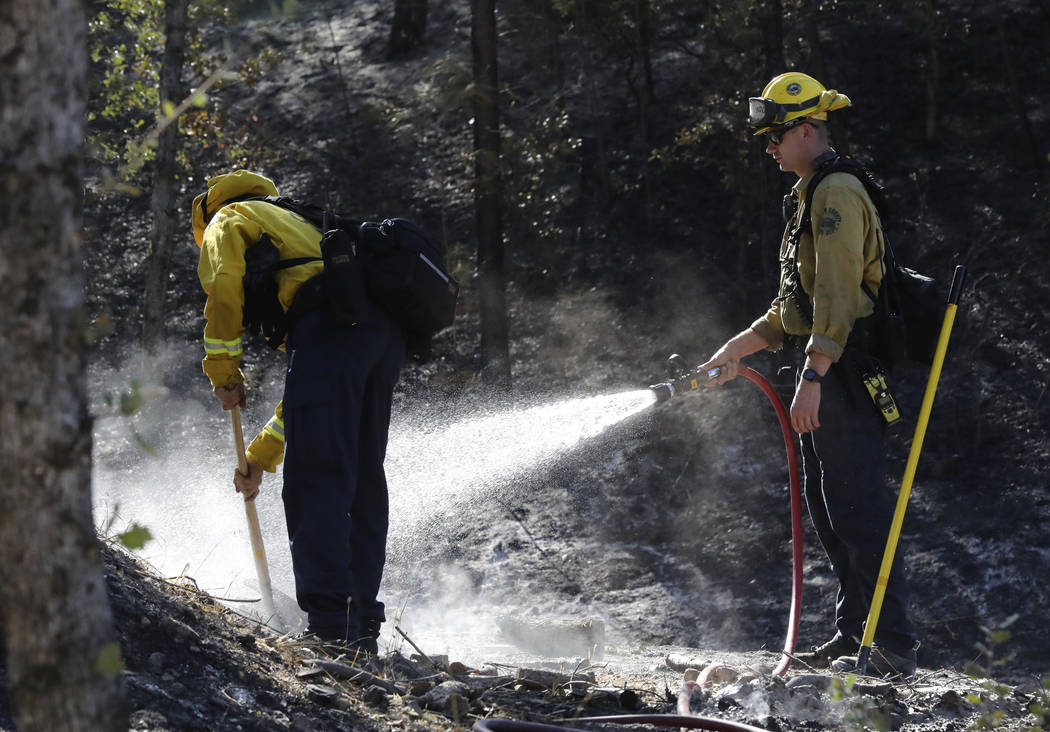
[909, 308]
[395, 262]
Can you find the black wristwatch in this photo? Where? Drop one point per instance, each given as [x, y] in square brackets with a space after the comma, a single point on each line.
[812, 375]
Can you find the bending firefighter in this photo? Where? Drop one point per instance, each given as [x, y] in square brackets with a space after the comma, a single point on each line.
[831, 253]
[330, 428]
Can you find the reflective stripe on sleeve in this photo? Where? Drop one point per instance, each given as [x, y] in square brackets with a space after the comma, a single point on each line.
[275, 427]
[216, 347]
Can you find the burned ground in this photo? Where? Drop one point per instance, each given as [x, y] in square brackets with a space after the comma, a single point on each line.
[672, 529]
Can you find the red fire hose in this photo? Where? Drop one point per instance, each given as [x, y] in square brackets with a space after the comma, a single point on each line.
[796, 516]
[690, 721]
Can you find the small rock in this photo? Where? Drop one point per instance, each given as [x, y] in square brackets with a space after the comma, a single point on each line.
[812, 681]
[376, 696]
[303, 723]
[322, 694]
[147, 719]
[952, 700]
[156, 662]
[458, 669]
[874, 688]
[439, 698]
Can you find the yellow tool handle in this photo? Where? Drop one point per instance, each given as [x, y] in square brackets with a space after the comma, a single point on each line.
[262, 569]
[238, 440]
[909, 470]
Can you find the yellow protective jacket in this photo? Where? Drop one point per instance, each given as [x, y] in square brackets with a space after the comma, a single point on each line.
[846, 250]
[224, 233]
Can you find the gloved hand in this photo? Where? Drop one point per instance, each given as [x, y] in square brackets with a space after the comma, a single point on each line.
[231, 395]
[248, 484]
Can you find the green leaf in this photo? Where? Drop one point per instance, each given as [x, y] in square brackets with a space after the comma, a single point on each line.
[131, 401]
[136, 537]
[109, 661]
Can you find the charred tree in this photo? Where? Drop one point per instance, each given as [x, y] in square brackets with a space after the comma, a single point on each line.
[63, 658]
[488, 197]
[933, 71]
[644, 39]
[163, 203]
[408, 28]
[770, 181]
[1016, 94]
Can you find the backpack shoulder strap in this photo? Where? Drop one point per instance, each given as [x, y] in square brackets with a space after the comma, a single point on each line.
[876, 191]
[845, 164]
[320, 217]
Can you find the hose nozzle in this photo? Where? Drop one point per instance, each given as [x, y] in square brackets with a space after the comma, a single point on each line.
[682, 379]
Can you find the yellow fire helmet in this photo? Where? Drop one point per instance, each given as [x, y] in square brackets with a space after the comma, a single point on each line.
[789, 99]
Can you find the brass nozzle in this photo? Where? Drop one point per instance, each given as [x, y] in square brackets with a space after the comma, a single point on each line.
[689, 381]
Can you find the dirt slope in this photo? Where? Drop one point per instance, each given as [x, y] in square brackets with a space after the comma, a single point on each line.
[673, 528]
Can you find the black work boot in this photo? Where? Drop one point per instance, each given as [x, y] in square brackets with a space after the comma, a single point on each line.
[369, 639]
[822, 656]
[882, 662]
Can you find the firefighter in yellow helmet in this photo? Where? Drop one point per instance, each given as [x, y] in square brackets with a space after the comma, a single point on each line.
[831, 259]
[330, 428]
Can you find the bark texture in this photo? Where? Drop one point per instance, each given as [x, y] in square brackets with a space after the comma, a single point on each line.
[57, 622]
[163, 203]
[488, 198]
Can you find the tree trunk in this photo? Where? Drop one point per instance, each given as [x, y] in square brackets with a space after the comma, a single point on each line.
[644, 39]
[62, 653]
[771, 180]
[553, 24]
[933, 71]
[488, 196]
[1016, 94]
[594, 154]
[163, 204]
[408, 28]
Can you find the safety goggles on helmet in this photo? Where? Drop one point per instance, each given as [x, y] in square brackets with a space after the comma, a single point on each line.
[762, 112]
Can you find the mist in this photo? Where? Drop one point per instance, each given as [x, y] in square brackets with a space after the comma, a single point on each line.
[168, 466]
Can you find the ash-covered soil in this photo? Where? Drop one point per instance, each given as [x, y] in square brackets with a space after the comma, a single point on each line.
[671, 530]
[192, 664]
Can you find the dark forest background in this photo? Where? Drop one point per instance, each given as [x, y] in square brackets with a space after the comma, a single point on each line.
[623, 213]
[603, 204]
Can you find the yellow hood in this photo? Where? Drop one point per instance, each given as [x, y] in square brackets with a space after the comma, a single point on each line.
[222, 188]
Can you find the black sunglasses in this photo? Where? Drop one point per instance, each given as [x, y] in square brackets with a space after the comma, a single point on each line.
[776, 135]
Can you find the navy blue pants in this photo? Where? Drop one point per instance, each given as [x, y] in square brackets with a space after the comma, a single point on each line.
[337, 398]
[844, 467]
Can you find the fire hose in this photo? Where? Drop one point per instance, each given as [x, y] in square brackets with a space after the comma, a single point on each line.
[682, 381]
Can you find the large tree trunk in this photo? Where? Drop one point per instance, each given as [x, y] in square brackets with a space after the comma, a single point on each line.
[408, 28]
[162, 235]
[62, 654]
[488, 196]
